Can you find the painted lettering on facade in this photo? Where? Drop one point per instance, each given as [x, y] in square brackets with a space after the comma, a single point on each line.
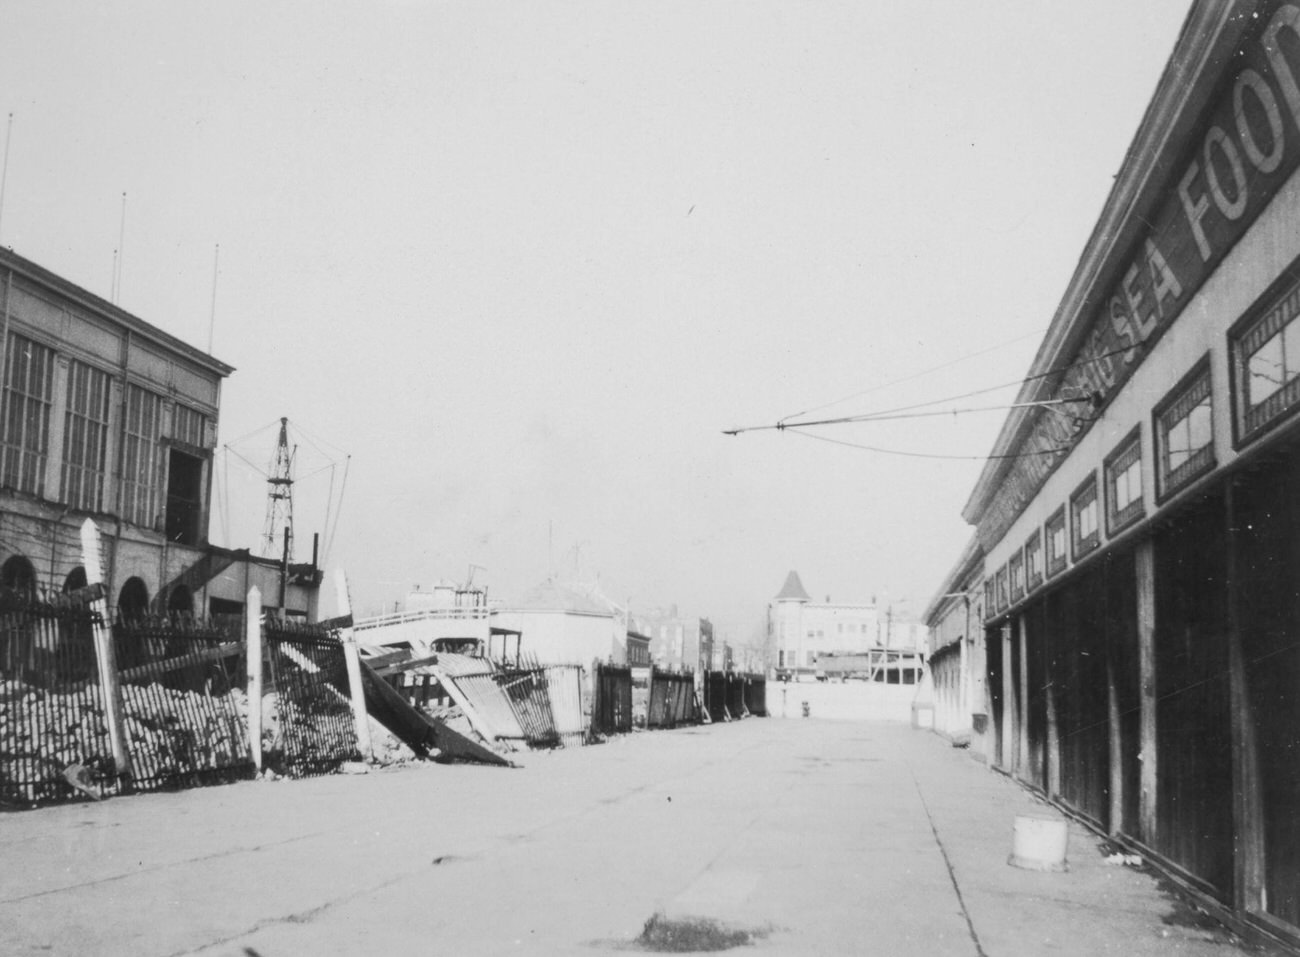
[1247, 145]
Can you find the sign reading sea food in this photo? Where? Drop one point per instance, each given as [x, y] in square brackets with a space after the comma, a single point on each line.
[1246, 147]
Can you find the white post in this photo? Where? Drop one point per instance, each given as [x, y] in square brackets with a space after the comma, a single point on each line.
[109, 683]
[253, 634]
[353, 659]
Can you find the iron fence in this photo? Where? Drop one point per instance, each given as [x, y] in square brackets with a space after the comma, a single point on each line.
[672, 699]
[612, 711]
[183, 701]
[52, 722]
[312, 730]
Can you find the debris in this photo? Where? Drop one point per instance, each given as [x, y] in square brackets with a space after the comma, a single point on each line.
[353, 767]
[78, 775]
[1125, 860]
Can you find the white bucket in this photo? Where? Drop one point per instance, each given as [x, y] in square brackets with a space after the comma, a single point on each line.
[1038, 844]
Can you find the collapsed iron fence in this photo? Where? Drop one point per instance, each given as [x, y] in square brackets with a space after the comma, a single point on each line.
[183, 701]
[177, 688]
[313, 730]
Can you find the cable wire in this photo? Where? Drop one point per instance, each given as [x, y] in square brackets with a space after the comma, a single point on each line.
[794, 430]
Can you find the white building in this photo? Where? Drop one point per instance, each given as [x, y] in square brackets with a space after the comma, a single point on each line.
[800, 629]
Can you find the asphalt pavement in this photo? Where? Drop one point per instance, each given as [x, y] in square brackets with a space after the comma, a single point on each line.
[766, 836]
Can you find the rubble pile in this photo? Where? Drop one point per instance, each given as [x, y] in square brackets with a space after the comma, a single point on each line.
[175, 732]
[45, 732]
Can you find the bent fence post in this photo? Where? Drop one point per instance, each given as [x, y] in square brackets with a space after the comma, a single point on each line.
[105, 654]
[352, 659]
[253, 636]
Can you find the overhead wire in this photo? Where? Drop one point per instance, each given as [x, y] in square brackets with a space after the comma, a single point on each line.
[916, 375]
[785, 424]
[795, 430]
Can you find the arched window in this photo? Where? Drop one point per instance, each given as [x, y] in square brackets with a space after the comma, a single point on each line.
[132, 608]
[76, 651]
[180, 601]
[133, 600]
[18, 576]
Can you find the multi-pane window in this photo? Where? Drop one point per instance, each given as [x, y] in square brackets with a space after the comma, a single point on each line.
[29, 394]
[140, 432]
[85, 437]
[1124, 484]
[1055, 533]
[1016, 576]
[1034, 561]
[188, 425]
[1266, 354]
[1000, 588]
[1184, 434]
[1083, 518]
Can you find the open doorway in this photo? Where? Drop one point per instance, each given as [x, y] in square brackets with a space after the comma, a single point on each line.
[184, 498]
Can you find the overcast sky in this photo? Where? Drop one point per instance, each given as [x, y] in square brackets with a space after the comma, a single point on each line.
[525, 262]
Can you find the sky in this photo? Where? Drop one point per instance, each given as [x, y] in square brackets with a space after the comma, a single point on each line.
[510, 270]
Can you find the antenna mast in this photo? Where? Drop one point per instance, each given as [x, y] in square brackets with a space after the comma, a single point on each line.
[279, 498]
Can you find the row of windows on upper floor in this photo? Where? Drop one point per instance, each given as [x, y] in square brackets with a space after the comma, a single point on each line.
[31, 409]
[1264, 351]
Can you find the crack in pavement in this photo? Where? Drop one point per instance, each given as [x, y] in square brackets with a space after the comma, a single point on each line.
[216, 855]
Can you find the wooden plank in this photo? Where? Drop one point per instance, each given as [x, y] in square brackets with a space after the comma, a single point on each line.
[1145, 562]
[1115, 747]
[1022, 752]
[227, 649]
[405, 665]
[1248, 802]
[1006, 751]
[417, 730]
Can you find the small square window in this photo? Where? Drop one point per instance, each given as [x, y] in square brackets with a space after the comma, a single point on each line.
[1184, 432]
[1124, 483]
[1034, 561]
[1016, 576]
[1084, 528]
[1054, 531]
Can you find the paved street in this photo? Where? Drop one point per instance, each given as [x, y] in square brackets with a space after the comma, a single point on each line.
[814, 837]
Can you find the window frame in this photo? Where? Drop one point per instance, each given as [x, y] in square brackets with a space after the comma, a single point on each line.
[25, 455]
[1271, 316]
[1054, 564]
[1000, 590]
[1035, 544]
[141, 454]
[1016, 576]
[84, 473]
[1083, 496]
[1127, 454]
[1199, 379]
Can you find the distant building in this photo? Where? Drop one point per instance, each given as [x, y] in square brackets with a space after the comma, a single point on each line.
[563, 624]
[800, 629]
[107, 417]
[679, 643]
[446, 618]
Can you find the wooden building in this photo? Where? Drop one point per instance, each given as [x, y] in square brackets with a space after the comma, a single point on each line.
[105, 416]
[1125, 626]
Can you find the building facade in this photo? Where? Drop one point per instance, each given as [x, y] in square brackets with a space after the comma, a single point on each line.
[1137, 530]
[107, 417]
[800, 630]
